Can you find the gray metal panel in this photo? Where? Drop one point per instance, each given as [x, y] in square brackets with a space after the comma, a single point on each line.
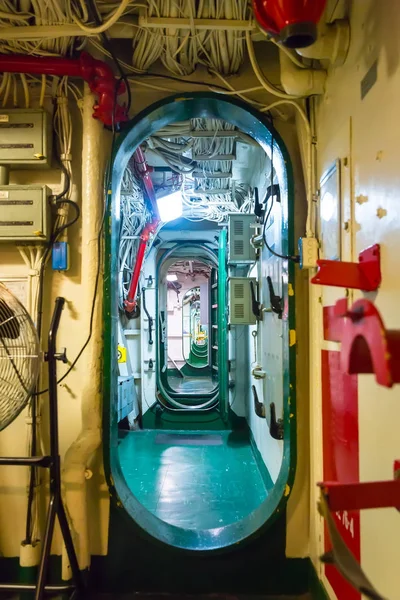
[240, 232]
[240, 307]
[24, 213]
[25, 138]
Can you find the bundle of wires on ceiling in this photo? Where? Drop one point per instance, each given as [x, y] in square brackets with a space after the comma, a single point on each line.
[134, 215]
[52, 12]
[181, 50]
[204, 163]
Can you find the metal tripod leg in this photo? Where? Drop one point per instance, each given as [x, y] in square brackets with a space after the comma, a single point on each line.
[48, 537]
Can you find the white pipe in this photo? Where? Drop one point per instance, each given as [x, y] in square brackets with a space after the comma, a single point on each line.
[300, 82]
[332, 43]
[89, 439]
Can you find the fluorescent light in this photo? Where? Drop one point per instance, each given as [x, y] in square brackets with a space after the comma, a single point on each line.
[170, 207]
[172, 277]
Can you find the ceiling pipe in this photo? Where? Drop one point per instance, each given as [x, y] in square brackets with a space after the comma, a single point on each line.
[96, 73]
[300, 82]
[332, 43]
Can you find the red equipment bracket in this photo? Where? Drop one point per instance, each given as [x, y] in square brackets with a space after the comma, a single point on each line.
[367, 347]
[364, 275]
[359, 496]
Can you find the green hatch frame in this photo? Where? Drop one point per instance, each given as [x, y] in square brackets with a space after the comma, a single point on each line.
[181, 107]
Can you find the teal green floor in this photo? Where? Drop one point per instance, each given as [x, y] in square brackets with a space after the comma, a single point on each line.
[193, 486]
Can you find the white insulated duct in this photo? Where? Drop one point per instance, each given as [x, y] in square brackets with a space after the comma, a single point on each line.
[74, 472]
[300, 82]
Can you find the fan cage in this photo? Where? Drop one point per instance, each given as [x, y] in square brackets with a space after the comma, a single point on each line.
[19, 357]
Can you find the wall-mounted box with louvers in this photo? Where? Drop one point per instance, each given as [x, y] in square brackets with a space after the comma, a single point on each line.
[240, 308]
[240, 232]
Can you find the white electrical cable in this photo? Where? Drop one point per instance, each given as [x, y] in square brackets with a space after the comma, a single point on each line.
[260, 76]
[107, 24]
[309, 162]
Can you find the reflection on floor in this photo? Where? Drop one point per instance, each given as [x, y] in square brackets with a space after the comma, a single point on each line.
[200, 480]
[192, 385]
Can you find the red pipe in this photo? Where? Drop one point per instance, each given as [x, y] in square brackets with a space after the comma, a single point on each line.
[96, 73]
[141, 168]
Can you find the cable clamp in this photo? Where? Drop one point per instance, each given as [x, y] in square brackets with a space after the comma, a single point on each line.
[62, 100]
[66, 157]
[62, 211]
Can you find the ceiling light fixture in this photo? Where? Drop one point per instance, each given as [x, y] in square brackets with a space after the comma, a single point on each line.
[170, 206]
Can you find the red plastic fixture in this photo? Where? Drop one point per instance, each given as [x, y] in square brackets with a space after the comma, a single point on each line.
[364, 275]
[96, 73]
[293, 21]
[367, 347]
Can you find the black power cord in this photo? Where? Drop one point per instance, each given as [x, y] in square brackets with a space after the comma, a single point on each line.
[180, 80]
[273, 191]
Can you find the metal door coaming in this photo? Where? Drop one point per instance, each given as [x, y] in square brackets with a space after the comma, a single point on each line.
[254, 124]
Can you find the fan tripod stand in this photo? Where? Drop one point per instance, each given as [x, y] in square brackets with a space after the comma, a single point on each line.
[51, 462]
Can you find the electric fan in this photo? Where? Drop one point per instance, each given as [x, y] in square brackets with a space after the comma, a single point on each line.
[19, 357]
[19, 370]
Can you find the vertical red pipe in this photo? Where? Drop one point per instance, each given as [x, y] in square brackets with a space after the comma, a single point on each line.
[144, 173]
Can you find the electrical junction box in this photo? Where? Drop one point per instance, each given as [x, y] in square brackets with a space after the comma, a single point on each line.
[25, 138]
[240, 231]
[60, 256]
[240, 301]
[127, 398]
[24, 213]
[308, 251]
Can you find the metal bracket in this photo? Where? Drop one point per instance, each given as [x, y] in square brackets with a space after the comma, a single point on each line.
[364, 275]
[276, 425]
[150, 318]
[256, 307]
[276, 302]
[259, 407]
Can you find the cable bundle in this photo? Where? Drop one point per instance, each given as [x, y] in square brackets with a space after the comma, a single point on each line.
[181, 50]
[196, 163]
[133, 218]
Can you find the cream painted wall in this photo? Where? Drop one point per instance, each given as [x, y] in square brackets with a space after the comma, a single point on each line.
[364, 134]
[77, 287]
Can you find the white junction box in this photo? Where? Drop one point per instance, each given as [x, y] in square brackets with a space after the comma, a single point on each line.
[25, 138]
[127, 398]
[240, 300]
[240, 231]
[24, 213]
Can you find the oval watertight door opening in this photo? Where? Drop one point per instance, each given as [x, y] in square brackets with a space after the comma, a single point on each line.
[199, 388]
